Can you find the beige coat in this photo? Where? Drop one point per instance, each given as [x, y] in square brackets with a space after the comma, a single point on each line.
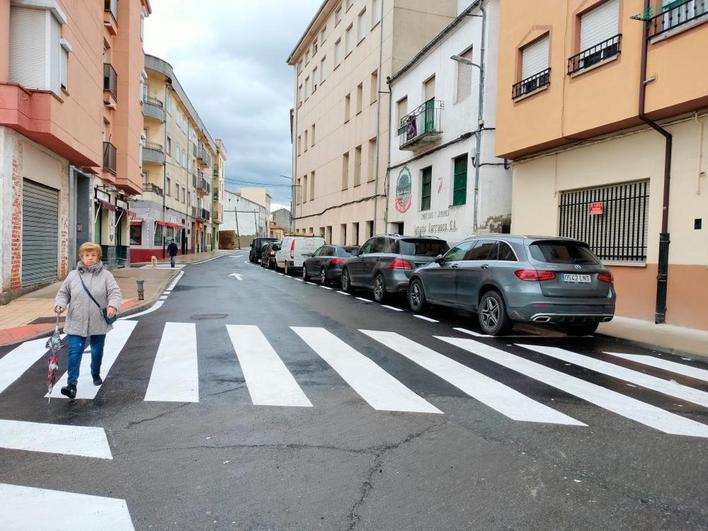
[84, 318]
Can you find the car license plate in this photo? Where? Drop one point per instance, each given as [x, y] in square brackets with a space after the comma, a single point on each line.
[575, 278]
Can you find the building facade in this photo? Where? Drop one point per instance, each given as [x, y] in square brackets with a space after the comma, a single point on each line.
[282, 218]
[444, 179]
[217, 211]
[178, 157]
[69, 134]
[243, 221]
[340, 125]
[602, 106]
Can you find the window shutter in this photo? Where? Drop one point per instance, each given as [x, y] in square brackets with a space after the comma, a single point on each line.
[55, 54]
[599, 24]
[28, 38]
[534, 58]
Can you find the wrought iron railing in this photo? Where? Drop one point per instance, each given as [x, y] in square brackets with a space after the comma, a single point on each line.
[595, 54]
[205, 214]
[423, 122]
[676, 14]
[110, 80]
[109, 157]
[150, 187]
[531, 84]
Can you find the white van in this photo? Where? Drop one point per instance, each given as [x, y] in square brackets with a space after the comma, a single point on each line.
[290, 256]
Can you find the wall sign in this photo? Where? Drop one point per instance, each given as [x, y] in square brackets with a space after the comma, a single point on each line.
[403, 190]
[596, 208]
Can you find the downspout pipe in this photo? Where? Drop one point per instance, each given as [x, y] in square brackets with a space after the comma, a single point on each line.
[378, 119]
[480, 119]
[664, 237]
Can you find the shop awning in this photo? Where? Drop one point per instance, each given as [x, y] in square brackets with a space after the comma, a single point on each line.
[169, 224]
[136, 221]
[106, 204]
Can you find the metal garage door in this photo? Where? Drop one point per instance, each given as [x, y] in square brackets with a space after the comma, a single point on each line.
[40, 230]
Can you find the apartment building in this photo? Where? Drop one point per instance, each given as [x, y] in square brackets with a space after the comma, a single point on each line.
[244, 220]
[69, 134]
[444, 179]
[217, 211]
[602, 105]
[340, 125]
[179, 157]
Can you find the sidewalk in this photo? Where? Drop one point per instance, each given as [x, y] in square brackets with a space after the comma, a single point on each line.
[187, 258]
[674, 339]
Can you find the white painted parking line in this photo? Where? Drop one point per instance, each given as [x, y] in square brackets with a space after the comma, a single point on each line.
[30, 508]
[175, 373]
[18, 360]
[82, 441]
[151, 309]
[471, 333]
[381, 390]
[298, 279]
[268, 380]
[311, 283]
[326, 287]
[391, 308]
[362, 299]
[424, 318]
[620, 404]
[115, 341]
[490, 392]
[671, 366]
[343, 293]
[647, 381]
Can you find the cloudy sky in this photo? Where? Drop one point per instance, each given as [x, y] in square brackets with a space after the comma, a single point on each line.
[230, 58]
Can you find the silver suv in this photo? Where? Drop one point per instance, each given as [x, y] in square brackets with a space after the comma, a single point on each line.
[506, 278]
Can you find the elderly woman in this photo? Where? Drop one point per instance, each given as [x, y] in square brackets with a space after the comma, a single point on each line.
[93, 298]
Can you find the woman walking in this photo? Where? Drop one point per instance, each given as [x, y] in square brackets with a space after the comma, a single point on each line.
[93, 298]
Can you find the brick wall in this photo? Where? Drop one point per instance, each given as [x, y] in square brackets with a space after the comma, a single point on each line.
[16, 241]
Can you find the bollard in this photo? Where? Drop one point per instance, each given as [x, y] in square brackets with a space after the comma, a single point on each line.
[141, 289]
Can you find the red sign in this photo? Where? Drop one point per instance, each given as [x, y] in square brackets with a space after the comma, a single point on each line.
[596, 208]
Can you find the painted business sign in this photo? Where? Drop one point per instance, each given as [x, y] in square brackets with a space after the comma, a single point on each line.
[403, 190]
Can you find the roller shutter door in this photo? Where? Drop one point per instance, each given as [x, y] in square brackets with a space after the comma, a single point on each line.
[40, 231]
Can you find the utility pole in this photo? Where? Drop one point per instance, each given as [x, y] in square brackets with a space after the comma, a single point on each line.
[238, 233]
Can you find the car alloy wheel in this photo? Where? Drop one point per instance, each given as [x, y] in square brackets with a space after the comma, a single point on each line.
[492, 314]
[379, 288]
[416, 296]
[323, 276]
[304, 272]
[345, 281]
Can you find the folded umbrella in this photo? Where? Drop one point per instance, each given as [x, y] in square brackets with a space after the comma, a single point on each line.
[54, 344]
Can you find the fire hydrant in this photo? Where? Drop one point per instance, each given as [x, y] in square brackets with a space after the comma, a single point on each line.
[141, 289]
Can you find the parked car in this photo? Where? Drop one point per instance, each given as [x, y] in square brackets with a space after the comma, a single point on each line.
[384, 263]
[254, 254]
[326, 263]
[291, 257]
[268, 254]
[505, 278]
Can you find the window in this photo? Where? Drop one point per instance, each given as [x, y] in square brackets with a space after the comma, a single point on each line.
[401, 108]
[359, 97]
[305, 148]
[599, 37]
[345, 171]
[357, 166]
[299, 144]
[299, 66]
[323, 35]
[426, 179]
[177, 191]
[314, 80]
[347, 107]
[348, 44]
[184, 194]
[458, 252]
[136, 234]
[337, 53]
[313, 135]
[343, 233]
[355, 233]
[298, 192]
[337, 16]
[464, 77]
[169, 103]
[361, 28]
[315, 47]
[304, 189]
[371, 166]
[535, 73]
[429, 89]
[459, 189]
[157, 240]
[322, 69]
[375, 12]
[374, 87]
[312, 186]
[350, 3]
[307, 56]
[369, 228]
[307, 87]
[299, 95]
[168, 187]
[421, 247]
[506, 253]
[64, 64]
[675, 14]
[484, 250]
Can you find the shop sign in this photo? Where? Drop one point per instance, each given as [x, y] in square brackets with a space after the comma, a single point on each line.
[596, 208]
[121, 204]
[103, 196]
[403, 190]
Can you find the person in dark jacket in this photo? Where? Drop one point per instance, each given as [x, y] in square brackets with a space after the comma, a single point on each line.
[172, 249]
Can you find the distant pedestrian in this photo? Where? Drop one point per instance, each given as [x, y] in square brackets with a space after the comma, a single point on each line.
[93, 298]
[172, 249]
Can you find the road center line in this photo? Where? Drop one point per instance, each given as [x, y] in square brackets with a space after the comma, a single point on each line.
[82, 441]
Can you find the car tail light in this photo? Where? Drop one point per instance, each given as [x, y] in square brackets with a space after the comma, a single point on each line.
[292, 249]
[337, 261]
[533, 274]
[400, 264]
[606, 277]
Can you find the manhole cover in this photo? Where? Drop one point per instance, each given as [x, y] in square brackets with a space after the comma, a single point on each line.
[205, 316]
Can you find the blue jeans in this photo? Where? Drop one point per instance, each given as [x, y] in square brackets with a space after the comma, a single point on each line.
[173, 260]
[76, 349]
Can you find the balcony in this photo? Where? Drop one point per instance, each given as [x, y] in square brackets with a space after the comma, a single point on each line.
[421, 125]
[203, 186]
[678, 15]
[595, 55]
[110, 156]
[153, 108]
[110, 16]
[110, 85]
[153, 153]
[153, 189]
[531, 84]
[203, 156]
[206, 215]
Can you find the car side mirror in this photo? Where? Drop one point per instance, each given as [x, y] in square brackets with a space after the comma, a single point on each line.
[355, 253]
[439, 259]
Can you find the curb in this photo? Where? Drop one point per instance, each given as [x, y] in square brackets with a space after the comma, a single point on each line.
[695, 355]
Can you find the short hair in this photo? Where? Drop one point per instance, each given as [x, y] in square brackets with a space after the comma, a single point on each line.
[89, 247]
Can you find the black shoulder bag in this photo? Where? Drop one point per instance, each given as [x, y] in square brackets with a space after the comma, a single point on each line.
[104, 311]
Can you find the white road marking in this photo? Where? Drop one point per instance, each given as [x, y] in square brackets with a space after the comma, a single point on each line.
[298, 279]
[18, 360]
[236, 276]
[247, 262]
[175, 374]
[55, 439]
[343, 293]
[163, 266]
[151, 309]
[381, 390]
[326, 287]
[471, 333]
[647, 381]
[175, 281]
[362, 299]
[311, 283]
[490, 392]
[671, 366]
[424, 318]
[163, 298]
[620, 404]
[30, 508]
[166, 292]
[115, 341]
[269, 381]
[391, 308]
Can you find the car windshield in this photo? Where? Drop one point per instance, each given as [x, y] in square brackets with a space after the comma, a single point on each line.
[422, 247]
[346, 252]
[559, 252]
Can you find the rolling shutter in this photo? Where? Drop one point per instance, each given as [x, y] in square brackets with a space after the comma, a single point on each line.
[28, 43]
[534, 58]
[600, 24]
[40, 230]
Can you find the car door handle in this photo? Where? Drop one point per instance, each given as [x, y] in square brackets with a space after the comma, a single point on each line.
[454, 266]
[485, 266]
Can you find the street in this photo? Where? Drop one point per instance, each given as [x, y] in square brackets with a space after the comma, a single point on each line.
[253, 400]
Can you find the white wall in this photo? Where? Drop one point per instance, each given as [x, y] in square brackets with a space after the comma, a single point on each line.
[252, 217]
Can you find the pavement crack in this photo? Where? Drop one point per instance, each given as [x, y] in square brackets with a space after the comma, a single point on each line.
[134, 423]
[268, 446]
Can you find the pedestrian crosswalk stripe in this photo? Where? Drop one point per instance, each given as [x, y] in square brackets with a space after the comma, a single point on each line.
[490, 392]
[175, 374]
[151, 309]
[268, 380]
[29, 508]
[115, 341]
[671, 366]
[18, 360]
[471, 333]
[381, 390]
[82, 441]
[647, 381]
[625, 406]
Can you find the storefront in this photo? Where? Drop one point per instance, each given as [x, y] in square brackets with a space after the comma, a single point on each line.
[151, 232]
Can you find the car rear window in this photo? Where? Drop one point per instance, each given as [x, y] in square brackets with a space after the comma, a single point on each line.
[557, 252]
[422, 247]
[345, 252]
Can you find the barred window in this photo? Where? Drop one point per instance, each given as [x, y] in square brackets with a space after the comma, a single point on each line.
[612, 220]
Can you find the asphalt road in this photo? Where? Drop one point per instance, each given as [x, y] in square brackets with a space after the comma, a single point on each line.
[259, 403]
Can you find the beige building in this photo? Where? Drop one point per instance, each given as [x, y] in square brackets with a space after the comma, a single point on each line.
[340, 120]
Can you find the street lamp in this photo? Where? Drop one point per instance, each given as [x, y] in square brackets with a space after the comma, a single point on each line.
[464, 61]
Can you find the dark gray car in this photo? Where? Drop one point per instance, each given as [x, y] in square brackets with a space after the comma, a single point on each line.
[384, 263]
[326, 263]
[505, 278]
